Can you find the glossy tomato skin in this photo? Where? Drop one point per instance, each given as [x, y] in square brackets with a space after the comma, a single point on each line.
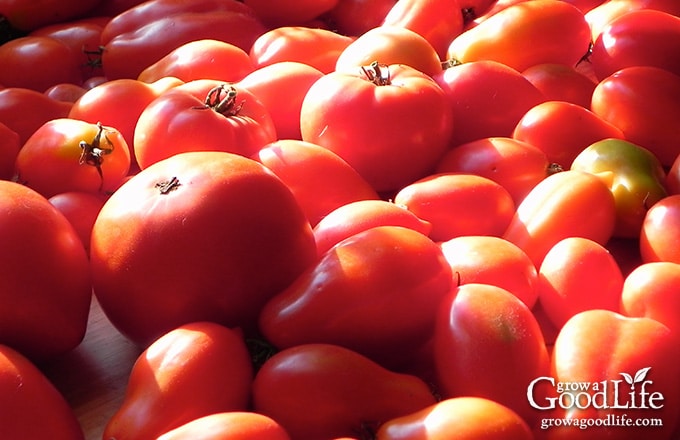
[24, 110]
[649, 291]
[9, 148]
[288, 12]
[229, 425]
[404, 123]
[320, 391]
[600, 16]
[339, 299]
[44, 276]
[660, 231]
[189, 372]
[561, 82]
[27, 395]
[27, 17]
[234, 237]
[354, 17]
[81, 210]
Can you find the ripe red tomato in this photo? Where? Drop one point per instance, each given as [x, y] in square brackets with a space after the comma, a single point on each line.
[44, 276]
[287, 12]
[673, 177]
[230, 425]
[66, 92]
[228, 233]
[560, 82]
[9, 148]
[24, 111]
[650, 290]
[661, 231]
[600, 16]
[81, 210]
[355, 17]
[27, 17]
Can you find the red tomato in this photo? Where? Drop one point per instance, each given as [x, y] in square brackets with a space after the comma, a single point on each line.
[673, 177]
[661, 231]
[600, 16]
[562, 130]
[201, 59]
[488, 99]
[322, 391]
[458, 204]
[355, 17]
[229, 234]
[355, 217]
[320, 180]
[66, 92]
[281, 88]
[71, 155]
[26, 16]
[287, 12]
[585, 5]
[393, 115]
[492, 260]
[81, 210]
[202, 115]
[644, 37]
[560, 82]
[477, 11]
[650, 290]
[517, 166]
[192, 371]
[335, 300]
[623, 100]
[44, 278]
[318, 48]
[9, 148]
[26, 396]
[231, 425]
[24, 111]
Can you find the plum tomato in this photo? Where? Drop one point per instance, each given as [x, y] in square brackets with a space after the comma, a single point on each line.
[661, 231]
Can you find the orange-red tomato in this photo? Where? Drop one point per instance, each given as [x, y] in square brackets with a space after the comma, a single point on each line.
[660, 232]
[24, 111]
[231, 425]
[561, 82]
[66, 92]
[650, 290]
[81, 210]
[286, 12]
[354, 17]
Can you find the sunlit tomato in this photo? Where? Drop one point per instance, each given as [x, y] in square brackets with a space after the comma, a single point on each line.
[661, 231]
[488, 98]
[230, 425]
[27, 395]
[9, 148]
[318, 48]
[600, 16]
[623, 100]
[71, 155]
[66, 92]
[37, 63]
[395, 116]
[287, 12]
[562, 130]
[390, 45]
[516, 165]
[486, 336]
[492, 260]
[201, 59]
[81, 210]
[202, 115]
[26, 16]
[228, 233]
[539, 222]
[470, 418]
[477, 11]
[526, 34]
[24, 111]
[560, 82]
[585, 5]
[458, 204]
[44, 276]
[191, 371]
[320, 180]
[644, 37]
[650, 290]
[393, 269]
[322, 391]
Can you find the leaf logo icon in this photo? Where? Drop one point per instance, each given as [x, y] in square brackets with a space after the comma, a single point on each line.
[640, 376]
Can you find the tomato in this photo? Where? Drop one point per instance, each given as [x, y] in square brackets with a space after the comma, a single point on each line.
[673, 177]
[562, 130]
[600, 16]
[458, 204]
[24, 111]
[661, 231]
[560, 82]
[488, 99]
[201, 59]
[281, 88]
[644, 37]
[516, 165]
[9, 148]
[471, 418]
[354, 17]
[37, 63]
[66, 92]
[231, 425]
[320, 180]
[71, 155]
[393, 115]
[477, 11]
[650, 291]
[355, 217]
[26, 16]
[202, 115]
[286, 12]
[318, 48]
[479, 259]
[27, 395]
[585, 5]
[229, 234]
[525, 34]
[323, 391]
[44, 276]
[539, 221]
[336, 300]
[488, 344]
[390, 45]
[439, 21]
[81, 210]
[623, 100]
[191, 371]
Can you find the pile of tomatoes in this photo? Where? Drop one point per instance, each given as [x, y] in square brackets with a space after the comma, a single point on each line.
[335, 219]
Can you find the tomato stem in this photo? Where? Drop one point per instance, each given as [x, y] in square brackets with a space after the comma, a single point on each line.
[167, 186]
[93, 153]
[222, 99]
[378, 74]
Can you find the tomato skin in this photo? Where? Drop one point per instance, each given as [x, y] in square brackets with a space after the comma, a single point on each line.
[324, 391]
[44, 276]
[560, 82]
[65, 92]
[405, 124]
[24, 111]
[189, 372]
[286, 12]
[231, 425]
[234, 237]
[660, 231]
[600, 16]
[539, 221]
[335, 300]
[649, 291]
[457, 204]
[355, 17]
[26, 394]
[81, 210]
[673, 177]
[471, 418]
[9, 148]
[28, 16]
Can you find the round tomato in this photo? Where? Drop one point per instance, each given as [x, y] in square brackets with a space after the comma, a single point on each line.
[81, 210]
[66, 92]
[560, 82]
[600, 16]
[661, 231]
[26, 16]
[354, 17]
[24, 111]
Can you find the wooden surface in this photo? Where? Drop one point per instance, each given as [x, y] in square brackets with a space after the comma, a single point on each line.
[93, 376]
